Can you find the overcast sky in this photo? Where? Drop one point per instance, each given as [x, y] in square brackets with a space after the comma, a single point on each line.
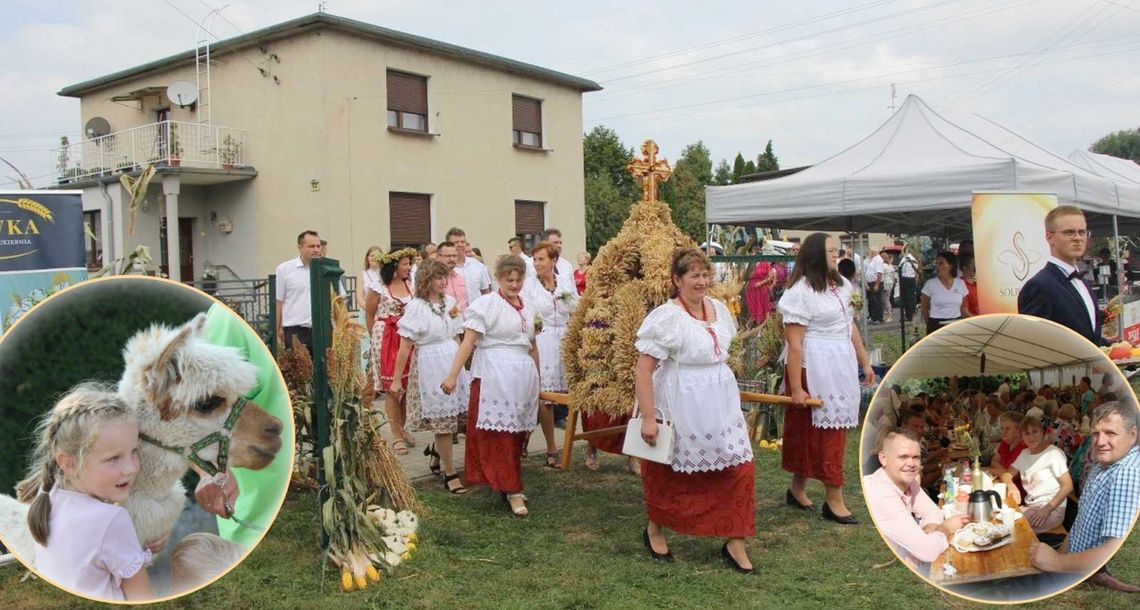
[815, 77]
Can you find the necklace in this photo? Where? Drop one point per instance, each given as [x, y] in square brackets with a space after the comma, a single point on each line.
[518, 309]
[704, 318]
[437, 308]
[551, 290]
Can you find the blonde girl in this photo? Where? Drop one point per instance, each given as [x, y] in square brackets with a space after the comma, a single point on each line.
[85, 462]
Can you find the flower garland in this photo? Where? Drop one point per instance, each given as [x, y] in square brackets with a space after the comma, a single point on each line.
[395, 256]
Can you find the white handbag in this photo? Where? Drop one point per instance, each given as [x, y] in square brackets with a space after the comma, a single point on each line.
[634, 445]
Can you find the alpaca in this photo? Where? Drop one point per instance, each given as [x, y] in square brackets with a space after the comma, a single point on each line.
[181, 389]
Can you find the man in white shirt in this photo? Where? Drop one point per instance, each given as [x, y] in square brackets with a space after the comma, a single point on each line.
[294, 311]
[908, 283]
[514, 246]
[873, 277]
[563, 270]
[474, 273]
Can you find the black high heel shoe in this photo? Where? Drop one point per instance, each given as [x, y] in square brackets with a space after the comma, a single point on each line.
[732, 562]
[667, 556]
[831, 516]
[433, 458]
[791, 500]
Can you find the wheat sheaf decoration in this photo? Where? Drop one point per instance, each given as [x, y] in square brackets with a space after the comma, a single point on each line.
[32, 206]
[629, 277]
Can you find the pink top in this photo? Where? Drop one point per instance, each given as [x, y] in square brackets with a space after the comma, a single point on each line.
[457, 287]
[901, 516]
[92, 546]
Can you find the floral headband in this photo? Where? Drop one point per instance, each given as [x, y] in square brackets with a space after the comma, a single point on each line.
[393, 257]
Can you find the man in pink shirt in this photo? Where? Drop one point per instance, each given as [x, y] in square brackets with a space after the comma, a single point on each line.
[456, 284]
[910, 521]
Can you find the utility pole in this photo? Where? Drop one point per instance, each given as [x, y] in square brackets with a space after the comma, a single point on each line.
[892, 106]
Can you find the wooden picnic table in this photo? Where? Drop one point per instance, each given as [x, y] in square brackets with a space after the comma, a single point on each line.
[1003, 562]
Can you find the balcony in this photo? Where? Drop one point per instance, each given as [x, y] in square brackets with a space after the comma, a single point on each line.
[166, 143]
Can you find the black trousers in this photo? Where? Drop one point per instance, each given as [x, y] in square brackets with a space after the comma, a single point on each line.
[907, 293]
[875, 303]
[304, 334]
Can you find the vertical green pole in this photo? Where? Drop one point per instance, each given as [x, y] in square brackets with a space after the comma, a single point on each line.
[272, 300]
[324, 277]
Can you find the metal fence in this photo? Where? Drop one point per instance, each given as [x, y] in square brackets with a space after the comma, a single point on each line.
[254, 301]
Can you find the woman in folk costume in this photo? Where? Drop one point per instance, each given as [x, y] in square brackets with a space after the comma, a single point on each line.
[681, 376]
[386, 304]
[504, 392]
[553, 303]
[823, 352]
[430, 325]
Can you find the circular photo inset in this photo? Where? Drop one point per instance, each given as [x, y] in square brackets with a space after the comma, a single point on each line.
[147, 439]
[999, 458]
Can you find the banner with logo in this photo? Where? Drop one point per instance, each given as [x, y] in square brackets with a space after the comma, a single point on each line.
[1009, 245]
[41, 248]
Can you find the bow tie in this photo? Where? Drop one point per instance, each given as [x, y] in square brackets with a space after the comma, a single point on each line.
[1076, 275]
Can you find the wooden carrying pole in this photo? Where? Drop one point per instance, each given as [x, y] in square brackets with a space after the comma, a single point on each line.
[572, 417]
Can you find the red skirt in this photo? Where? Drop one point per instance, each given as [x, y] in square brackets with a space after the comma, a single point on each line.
[491, 458]
[598, 421]
[389, 348]
[721, 503]
[816, 453]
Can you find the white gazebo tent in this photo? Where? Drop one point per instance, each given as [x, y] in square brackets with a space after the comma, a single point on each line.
[1005, 344]
[1120, 170]
[915, 174]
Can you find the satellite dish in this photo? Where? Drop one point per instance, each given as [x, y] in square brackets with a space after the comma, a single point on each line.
[97, 127]
[182, 92]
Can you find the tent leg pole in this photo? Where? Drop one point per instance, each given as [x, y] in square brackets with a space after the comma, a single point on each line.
[1116, 256]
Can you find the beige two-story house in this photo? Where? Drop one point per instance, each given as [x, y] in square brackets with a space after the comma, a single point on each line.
[364, 134]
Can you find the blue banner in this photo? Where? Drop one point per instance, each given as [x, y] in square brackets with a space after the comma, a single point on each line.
[41, 248]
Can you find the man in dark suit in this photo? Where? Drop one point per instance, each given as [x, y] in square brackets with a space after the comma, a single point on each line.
[1058, 292]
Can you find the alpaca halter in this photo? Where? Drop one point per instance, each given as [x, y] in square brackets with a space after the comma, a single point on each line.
[221, 437]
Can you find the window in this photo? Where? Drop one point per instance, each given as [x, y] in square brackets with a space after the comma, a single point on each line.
[527, 119]
[93, 223]
[529, 222]
[407, 101]
[409, 220]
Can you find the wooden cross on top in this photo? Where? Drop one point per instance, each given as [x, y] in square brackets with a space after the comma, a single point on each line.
[650, 170]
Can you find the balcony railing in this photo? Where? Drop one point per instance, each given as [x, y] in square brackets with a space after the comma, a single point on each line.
[171, 143]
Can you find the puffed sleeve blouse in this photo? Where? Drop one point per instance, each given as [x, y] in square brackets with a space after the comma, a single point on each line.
[670, 333]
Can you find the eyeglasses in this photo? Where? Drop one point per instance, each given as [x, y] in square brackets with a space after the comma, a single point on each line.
[1071, 233]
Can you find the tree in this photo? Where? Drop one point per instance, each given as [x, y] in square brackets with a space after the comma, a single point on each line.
[610, 189]
[738, 167]
[749, 168]
[685, 190]
[767, 161]
[1124, 144]
[723, 174]
[605, 155]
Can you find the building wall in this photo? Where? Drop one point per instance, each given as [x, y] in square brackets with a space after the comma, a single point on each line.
[327, 121]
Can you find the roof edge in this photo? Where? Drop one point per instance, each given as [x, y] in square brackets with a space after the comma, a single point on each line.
[324, 19]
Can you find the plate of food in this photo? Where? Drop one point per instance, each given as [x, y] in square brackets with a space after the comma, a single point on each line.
[977, 537]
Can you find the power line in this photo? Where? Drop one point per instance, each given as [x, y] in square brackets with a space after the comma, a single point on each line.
[795, 39]
[823, 50]
[702, 107]
[735, 39]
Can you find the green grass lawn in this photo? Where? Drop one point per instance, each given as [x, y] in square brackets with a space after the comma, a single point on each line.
[581, 548]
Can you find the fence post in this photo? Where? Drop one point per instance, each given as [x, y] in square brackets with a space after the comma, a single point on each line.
[273, 315]
[324, 277]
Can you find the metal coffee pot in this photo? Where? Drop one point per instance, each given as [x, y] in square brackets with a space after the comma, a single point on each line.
[980, 510]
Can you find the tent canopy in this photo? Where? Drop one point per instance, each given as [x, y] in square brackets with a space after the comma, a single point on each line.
[915, 174]
[1107, 166]
[1011, 344]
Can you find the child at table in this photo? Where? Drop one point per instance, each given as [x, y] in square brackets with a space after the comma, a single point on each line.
[1044, 475]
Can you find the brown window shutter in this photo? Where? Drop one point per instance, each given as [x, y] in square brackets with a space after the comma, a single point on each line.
[409, 219]
[527, 114]
[407, 92]
[528, 218]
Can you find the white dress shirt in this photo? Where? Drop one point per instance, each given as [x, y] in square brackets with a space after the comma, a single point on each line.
[476, 275]
[873, 270]
[293, 293]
